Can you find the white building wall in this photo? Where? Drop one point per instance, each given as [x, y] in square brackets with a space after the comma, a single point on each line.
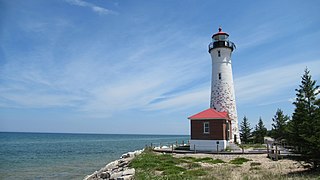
[208, 145]
[222, 90]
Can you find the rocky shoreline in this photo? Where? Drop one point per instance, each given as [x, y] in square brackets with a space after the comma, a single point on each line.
[116, 170]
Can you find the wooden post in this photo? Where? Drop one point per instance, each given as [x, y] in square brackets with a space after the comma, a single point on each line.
[268, 151]
[276, 153]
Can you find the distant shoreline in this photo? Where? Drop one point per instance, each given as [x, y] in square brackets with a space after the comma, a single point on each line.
[92, 133]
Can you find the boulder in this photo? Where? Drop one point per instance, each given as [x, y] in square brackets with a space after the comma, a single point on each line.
[130, 171]
[105, 175]
[117, 169]
[115, 175]
[125, 156]
[123, 164]
[111, 165]
[138, 152]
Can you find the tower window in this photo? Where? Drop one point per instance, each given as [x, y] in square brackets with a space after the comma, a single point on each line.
[206, 128]
[219, 76]
[219, 54]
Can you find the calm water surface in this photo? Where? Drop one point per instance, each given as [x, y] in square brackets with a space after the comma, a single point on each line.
[66, 156]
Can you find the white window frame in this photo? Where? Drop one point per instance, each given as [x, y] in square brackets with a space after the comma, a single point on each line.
[206, 128]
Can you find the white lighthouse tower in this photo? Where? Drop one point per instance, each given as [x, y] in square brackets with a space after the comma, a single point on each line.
[222, 90]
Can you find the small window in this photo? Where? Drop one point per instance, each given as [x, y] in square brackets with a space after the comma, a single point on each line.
[206, 127]
[219, 76]
[219, 54]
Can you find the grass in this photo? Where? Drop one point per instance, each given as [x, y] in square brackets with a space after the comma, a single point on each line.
[209, 160]
[255, 164]
[228, 149]
[155, 166]
[164, 166]
[254, 168]
[239, 160]
[165, 163]
[203, 160]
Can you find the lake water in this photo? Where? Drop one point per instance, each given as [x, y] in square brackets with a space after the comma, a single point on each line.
[67, 156]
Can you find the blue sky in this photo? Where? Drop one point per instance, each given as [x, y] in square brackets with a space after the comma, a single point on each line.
[111, 66]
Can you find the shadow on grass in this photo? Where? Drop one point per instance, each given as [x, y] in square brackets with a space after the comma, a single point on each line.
[307, 174]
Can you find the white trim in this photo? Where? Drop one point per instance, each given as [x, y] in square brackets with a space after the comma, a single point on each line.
[206, 128]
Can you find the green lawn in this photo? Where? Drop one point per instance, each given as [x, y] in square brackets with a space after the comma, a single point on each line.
[164, 166]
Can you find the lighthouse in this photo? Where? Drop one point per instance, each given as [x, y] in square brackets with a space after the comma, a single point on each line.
[222, 88]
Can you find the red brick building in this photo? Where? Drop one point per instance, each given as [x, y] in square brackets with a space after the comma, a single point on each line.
[210, 130]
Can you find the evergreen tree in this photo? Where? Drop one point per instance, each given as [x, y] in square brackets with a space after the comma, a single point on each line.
[259, 132]
[279, 125]
[245, 130]
[304, 128]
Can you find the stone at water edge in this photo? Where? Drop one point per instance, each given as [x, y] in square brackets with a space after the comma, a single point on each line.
[105, 175]
[127, 155]
[111, 165]
[138, 152]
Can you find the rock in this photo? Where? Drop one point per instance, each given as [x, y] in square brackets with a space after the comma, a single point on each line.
[125, 155]
[138, 152]
[116, 175]
[123, 164]
[111, 165]
[105, 175]
[117, 169]
[130, 171]
[127, 177]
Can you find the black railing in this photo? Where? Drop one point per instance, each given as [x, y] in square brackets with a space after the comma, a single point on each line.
[217, 44]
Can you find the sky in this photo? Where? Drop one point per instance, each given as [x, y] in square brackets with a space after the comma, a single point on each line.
[143, 67]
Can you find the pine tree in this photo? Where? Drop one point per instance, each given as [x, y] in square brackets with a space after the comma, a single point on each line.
[260, 132]
[279, 125]
[304, 127]
[245, 130]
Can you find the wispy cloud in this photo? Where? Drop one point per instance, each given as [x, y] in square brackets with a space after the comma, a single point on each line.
[265, 83]
[93, 7]
[183, 101]
[91, 82]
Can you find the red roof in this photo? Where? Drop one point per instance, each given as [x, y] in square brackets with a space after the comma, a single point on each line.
[210, 114]
[220, 33]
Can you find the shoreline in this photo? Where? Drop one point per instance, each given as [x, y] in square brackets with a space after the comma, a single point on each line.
[117, 169]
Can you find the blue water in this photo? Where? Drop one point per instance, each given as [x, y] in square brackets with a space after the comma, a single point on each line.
[66, 156]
